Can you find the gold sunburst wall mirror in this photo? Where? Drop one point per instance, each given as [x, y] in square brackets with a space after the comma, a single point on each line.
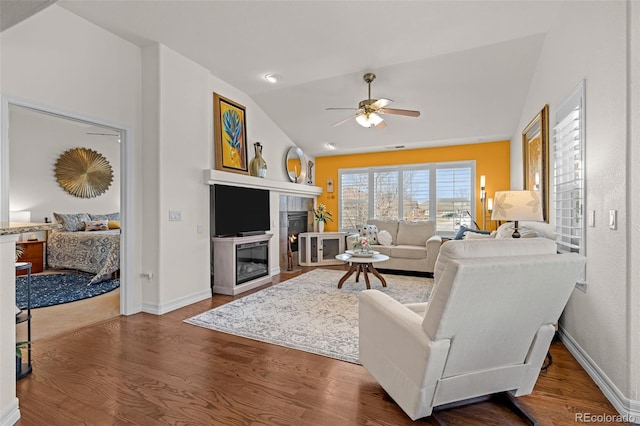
[83, 172]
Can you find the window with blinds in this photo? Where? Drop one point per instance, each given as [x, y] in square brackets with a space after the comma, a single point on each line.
[418, 192]
[568, 173]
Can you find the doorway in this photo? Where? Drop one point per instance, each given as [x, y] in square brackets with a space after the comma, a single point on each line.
[37, 191]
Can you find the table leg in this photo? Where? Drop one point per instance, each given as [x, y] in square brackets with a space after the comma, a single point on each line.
[375, 272]
[365, 266]
[359, 269]
[350, 272]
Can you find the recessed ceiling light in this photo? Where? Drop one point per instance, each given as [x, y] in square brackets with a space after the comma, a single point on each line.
[272, 78]
[331, 145]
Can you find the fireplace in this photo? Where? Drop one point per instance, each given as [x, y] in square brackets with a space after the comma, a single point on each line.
[296, 223]
[252, 261]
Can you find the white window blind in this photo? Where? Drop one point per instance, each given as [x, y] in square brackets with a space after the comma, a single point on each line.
[417, 192]
[568, 173]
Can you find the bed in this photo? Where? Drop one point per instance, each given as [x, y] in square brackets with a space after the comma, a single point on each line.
[85, 246]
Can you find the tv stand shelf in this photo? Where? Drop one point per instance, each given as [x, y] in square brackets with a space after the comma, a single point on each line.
[225, 263]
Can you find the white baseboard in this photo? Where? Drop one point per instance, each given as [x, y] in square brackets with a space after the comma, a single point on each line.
[628, 409]
[153, 308]
[10, 414]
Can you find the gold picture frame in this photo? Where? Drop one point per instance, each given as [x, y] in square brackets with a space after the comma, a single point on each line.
[535, 150]
[230, 135]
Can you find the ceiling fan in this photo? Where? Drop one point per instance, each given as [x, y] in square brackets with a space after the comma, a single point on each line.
[369, 111]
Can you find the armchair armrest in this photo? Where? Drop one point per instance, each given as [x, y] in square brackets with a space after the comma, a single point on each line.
[433, 249]
[395, 349]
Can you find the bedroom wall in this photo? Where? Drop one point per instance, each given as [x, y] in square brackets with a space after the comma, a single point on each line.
[589, 41]
[36, 142]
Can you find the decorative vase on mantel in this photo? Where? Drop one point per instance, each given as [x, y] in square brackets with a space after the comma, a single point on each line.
[320, 226]
[257, 166]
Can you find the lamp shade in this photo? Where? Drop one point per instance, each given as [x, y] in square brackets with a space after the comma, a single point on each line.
[517, 205]
[23, 216]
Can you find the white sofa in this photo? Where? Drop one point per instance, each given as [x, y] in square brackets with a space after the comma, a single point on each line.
[486, 327]
[414, 246]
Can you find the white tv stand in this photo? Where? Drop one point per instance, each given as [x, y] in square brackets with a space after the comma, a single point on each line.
[225, 263]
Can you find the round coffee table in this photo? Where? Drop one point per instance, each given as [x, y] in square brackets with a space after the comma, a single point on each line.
[364, 265]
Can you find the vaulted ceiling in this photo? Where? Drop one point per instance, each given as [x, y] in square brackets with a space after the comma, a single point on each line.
[466, 65]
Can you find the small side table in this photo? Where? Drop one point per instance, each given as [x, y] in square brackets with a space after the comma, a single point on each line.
[25, 368]
[364, 265]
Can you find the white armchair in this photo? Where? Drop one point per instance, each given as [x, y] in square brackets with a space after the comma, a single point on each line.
[485, 330]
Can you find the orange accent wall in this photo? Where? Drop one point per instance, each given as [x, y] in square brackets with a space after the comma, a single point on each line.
[492, 160]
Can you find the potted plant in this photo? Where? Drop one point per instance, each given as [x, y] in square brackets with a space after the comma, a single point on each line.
[19, 346]
[322, 215]
[361, 245]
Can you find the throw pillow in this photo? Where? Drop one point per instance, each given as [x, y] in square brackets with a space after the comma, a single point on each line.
[384, 238]
[463, 229]
[72, 222]
[114, 224]
[97, 225]
[475, 236]
[369, 231]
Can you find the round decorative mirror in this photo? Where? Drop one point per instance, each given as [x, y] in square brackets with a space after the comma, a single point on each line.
[295, 164]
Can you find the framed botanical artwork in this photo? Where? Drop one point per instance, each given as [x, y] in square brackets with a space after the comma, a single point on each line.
[230, 135]
[535, 150]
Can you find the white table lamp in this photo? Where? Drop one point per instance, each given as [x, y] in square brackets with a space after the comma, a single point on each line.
[515, 206]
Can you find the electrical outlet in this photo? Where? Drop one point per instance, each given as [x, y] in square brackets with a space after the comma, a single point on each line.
[175, 215]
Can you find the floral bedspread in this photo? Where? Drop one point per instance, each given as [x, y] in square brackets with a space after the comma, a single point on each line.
[95, 252]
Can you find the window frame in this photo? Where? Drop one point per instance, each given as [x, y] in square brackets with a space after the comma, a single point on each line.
[433, 197]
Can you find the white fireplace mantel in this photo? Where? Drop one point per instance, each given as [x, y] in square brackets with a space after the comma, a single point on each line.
[212, 177]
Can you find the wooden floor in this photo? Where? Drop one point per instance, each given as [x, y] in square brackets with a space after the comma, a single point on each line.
[156, 370]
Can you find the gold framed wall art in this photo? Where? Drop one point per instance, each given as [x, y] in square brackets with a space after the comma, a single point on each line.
[230, 135]
[535, 153]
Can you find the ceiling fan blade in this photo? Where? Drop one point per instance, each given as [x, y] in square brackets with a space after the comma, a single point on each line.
[344, 121]
[381, 103]
[381, 125]
[335, 109]
[405, 112]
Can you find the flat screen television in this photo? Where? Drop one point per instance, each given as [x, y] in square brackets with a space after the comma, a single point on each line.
[239, 211]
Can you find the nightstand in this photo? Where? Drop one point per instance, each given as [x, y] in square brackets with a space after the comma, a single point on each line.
[34, 252]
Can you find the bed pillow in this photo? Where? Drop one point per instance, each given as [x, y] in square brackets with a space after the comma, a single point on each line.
[72, 222]
[114, 224]
[97, 225]
[110, 216]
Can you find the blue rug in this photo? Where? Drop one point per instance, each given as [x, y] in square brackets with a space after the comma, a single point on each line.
[56, 289]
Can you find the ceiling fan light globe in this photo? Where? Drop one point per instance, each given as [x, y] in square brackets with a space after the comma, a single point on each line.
[363, 120]
[375, 119]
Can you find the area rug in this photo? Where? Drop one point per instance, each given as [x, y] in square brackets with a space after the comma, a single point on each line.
[56, 289]
[309, 312]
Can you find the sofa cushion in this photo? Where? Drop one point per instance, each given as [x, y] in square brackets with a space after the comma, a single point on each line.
[475, 236]
[408, 252]
[384, 238]
[414, 233]
[370, 232]
[391, 226]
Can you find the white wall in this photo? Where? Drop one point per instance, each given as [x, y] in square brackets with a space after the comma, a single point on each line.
[57, 61]
[589, 41]
[36, 142]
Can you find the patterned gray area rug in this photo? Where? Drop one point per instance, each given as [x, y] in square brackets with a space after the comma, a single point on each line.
[309, 312]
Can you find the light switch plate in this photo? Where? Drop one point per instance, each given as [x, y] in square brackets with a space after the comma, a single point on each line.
[175, 215]
[591, 218]
[613, 219]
